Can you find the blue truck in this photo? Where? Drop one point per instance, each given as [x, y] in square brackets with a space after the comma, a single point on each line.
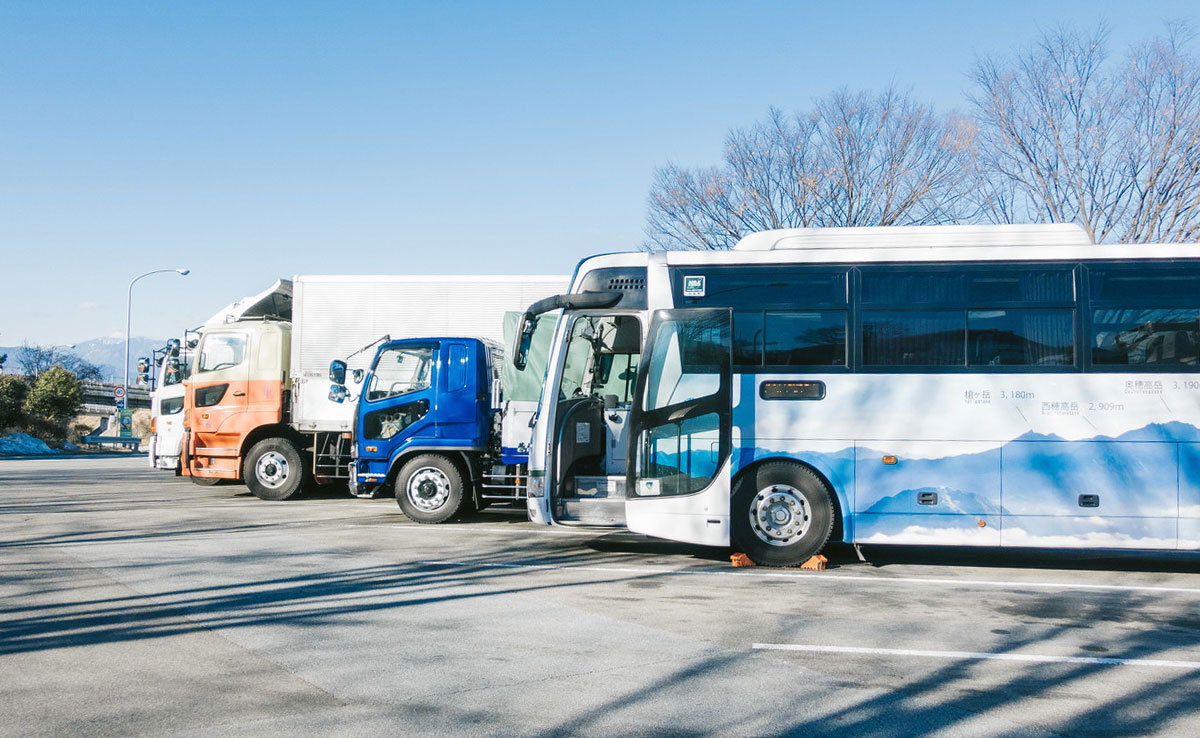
[441, 423]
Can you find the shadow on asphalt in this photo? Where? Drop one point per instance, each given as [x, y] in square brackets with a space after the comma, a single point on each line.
[341, 596]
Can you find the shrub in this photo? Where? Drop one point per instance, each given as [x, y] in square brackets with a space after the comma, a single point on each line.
[12, 399]
[55, 395]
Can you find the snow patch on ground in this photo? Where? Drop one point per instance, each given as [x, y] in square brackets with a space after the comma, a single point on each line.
[20, 444]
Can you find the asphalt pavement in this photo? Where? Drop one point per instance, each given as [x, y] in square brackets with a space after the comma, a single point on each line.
[135, 603]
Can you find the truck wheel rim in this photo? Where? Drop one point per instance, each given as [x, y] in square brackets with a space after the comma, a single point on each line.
[780, 515]
[428, 488]
[271, 470]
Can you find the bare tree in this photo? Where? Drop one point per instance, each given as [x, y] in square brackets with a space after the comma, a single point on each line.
[1064, 135]
[84, 370]
[855, 159]
[34, 359]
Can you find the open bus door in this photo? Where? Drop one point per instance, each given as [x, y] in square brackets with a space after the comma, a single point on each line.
[678, 469]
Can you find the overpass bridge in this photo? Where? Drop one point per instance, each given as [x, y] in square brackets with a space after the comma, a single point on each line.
[98, 398]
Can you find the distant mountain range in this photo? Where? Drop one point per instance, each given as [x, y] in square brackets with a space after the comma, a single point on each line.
[106, 353]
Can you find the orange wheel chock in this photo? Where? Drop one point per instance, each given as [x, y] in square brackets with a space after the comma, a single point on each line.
[816, 563]
[741, 559]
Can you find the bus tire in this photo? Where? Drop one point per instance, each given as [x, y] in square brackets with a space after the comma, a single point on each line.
[430, 488]
[273, 469]
[781, 514]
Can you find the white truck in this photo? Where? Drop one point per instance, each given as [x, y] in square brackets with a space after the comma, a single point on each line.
[258, 405]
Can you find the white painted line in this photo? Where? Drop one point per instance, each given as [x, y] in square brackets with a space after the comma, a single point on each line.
[979, 656]
[817, 577]
[541, 531]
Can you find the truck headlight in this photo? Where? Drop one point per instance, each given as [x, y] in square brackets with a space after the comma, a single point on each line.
[537, 486]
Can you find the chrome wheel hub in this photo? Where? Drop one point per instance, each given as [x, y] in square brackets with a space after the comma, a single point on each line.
[780, 515]
[428, 489]
[272, 470]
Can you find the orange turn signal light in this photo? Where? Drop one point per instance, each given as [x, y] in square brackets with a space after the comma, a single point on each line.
[889, 460]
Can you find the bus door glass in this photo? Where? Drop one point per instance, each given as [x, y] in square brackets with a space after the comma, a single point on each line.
[678, 471]
[595, 391]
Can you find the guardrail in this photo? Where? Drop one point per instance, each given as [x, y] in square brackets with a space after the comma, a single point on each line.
[132, 442]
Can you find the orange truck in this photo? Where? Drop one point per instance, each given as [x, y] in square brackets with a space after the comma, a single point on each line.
[257, 405]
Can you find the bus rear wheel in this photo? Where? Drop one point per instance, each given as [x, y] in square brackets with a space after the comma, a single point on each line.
[781, 514]
[430, 488]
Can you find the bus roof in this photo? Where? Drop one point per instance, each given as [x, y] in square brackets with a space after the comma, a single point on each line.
[895, 237]
[902, 244]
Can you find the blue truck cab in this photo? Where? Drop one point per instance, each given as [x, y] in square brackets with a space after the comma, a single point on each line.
[426, 422]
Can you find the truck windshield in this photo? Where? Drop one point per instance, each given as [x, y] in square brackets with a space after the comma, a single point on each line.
[221, 351]
[399, 371]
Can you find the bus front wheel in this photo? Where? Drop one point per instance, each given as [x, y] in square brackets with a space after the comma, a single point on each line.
[782, 514]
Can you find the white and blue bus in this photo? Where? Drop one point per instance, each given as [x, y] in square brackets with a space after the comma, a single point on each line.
[957, 385]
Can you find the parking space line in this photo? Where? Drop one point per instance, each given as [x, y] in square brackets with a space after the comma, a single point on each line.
[547, 531]
[978, 656]
[818, 577]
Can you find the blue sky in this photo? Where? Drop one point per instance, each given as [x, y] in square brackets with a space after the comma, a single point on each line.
[252, 140]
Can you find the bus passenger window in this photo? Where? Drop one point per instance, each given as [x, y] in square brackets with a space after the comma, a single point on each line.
[1166, 336]
[913, 338]
[1033, 337]
[807, 338]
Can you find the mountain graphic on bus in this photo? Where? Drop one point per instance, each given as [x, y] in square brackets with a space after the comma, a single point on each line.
[950, 501]
[1125, 490]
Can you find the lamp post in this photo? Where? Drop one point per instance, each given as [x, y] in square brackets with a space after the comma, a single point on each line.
[129, 317]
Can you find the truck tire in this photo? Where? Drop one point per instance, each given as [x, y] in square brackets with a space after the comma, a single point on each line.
[429, 488]
[781, 514]
[205, 481]
[273, 469]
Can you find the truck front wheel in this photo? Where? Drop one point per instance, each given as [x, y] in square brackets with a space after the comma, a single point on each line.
[273, 469]
[429, 488]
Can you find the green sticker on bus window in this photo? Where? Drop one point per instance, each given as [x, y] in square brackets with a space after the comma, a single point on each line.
[693, 286]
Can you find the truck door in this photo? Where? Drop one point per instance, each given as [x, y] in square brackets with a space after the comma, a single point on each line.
[678, 470]
[218, 393]
[396, 400]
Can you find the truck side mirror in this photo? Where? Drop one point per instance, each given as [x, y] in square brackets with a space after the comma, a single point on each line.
[523, 340]
[357, 375]
[338, 393]
[337, 371]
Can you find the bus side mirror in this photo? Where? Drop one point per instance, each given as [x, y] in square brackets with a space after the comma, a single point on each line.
[337, 371]
[523, 340]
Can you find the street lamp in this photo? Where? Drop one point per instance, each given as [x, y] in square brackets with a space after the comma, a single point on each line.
[129, 316]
